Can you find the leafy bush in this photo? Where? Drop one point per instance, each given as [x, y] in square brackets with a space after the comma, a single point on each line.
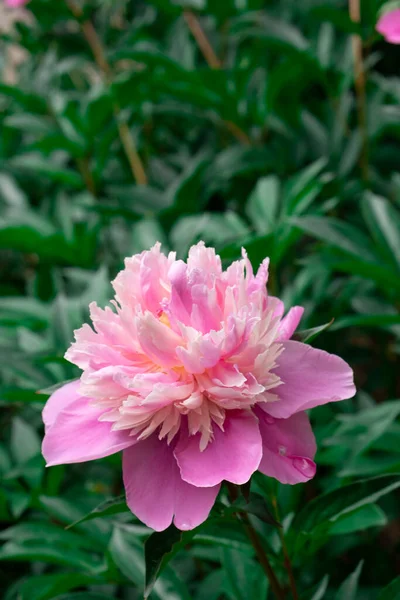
[241, 123]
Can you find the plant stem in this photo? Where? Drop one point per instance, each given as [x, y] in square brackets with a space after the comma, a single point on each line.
[288, 564]
[257, 545]
[87, 176]
[262, 557]
[125, 135]
[202, 41]
[213, 62]
[360, 86]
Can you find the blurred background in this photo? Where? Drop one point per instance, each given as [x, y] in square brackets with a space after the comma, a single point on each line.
[269, 124]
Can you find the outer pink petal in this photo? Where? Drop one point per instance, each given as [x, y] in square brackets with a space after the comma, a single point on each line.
[61, 398]
[310, 377]
[234, 454]
[389, 26]
[288, 448]
[289, 324]
[77, 435]
[155, 491]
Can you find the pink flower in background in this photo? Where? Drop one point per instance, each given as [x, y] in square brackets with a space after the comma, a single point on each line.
[15, 3]
[389, 26]
[194, 376]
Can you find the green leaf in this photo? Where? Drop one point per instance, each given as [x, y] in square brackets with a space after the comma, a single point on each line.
[40, 550]
[318, 591]
[245, 579]
[392, 591]
[38, 165]
[303, 188]
[29, 123]
[84, 596]
[263, 204]
[370, 515]
[158, 550]
[47, 587]
[257, 506]
[306, 335]
[25, 442]
[127, 554]
[105, 509]
[328, 507]
[341, 235]
[348, 589]
[383, 221]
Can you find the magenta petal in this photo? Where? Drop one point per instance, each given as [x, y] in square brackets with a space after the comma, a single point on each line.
[290, 322]
[234, 454]
[77, 435]
[155, 491]
[310, 377]
[61, 398]
[288, 448]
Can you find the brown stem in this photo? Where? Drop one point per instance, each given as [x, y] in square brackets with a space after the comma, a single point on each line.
[125, 135]
[262, 557]
[214, 63]
[288, 564]
[360, 86]
[257, 545]
[201, 39]
[84, 169]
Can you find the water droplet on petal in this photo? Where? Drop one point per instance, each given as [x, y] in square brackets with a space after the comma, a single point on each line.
[282, 450]
[305, 466]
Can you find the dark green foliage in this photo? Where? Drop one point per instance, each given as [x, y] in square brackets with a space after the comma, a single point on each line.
[258, 146]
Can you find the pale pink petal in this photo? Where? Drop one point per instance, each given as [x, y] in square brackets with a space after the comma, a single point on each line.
[61, 398]
[289, 323]
[180, 306]
[157, 340]
[204, 259]
[155, 491]
[310, 377]
[77, 435]
[234, 454]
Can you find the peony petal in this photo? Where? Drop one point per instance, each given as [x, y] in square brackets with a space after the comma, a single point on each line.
[389, 26]
[157, 340]
[310, 377]
[61, 398]
[289, 323]
[288, 448]
[155, 491]
[77, 435]
[234, 454]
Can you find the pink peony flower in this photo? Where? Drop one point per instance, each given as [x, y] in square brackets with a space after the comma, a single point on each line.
[15, 3]
[193, 375]
[389, 26]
